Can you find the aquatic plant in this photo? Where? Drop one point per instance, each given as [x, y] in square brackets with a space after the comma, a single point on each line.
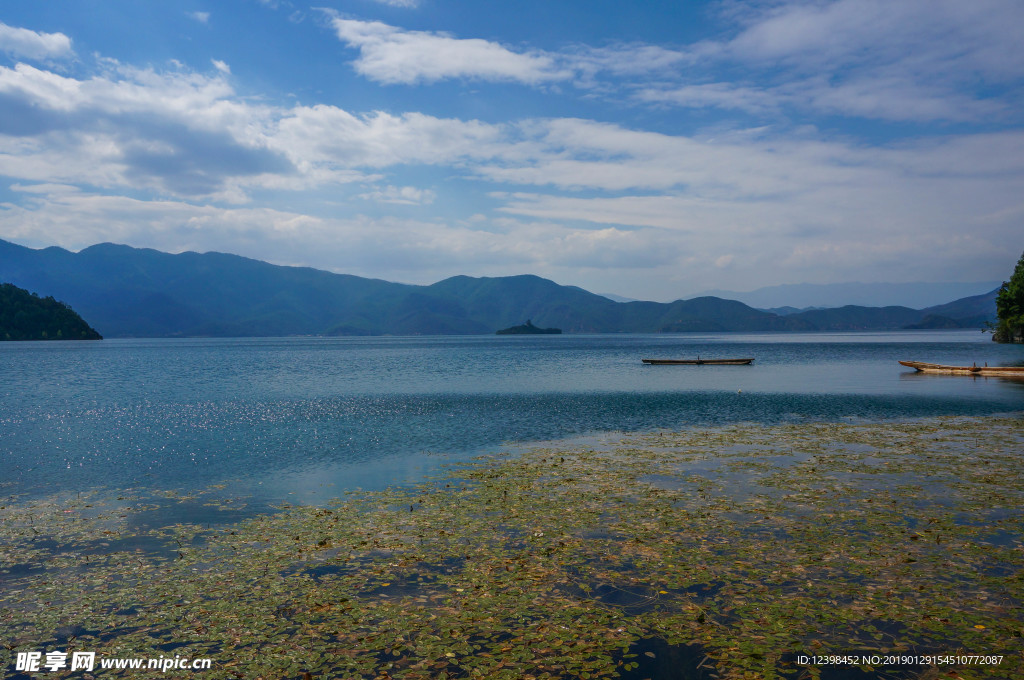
[727, 552]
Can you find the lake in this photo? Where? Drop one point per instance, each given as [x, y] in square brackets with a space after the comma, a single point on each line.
[308, 418]
[173, 496]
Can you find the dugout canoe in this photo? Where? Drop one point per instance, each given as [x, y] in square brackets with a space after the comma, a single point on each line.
[698, 362]
[993, 371]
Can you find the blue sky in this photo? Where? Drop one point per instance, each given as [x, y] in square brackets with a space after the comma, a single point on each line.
[650, 149]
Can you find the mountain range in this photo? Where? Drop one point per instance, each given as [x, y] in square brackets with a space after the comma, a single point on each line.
[131, 292]
[802, 296]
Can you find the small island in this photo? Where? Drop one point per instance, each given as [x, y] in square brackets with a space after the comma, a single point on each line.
[26, 316]
[528, 329]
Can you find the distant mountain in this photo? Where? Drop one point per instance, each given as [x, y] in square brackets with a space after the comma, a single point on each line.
[617, 298]
[26, 316]
[857, 318]
[704, 314]
[969, 311]
[831, 295]
[787, 310]
[131, 292]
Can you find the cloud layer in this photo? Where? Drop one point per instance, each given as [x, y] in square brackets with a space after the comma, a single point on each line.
[910, 61]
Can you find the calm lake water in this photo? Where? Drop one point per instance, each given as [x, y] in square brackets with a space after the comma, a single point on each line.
[307, 418]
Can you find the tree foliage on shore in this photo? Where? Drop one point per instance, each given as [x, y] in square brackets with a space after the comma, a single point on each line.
[1010, 307]
[26, 316]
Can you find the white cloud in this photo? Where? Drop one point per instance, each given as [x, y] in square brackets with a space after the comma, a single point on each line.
[410, 4]
[724, 261]
[716, 95]
[587, 155]
[392, 55]
[201, 17]
[624, 60]
[334, 137]
[897, 99]
[123, 90]
[22, 42]
[179, 133]
[188, 134]
[221, 66]
[48, 189]
[401, 195]
[928, 38]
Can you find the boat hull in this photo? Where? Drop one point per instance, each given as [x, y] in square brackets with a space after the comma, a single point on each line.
[697, 362]
[986, 371]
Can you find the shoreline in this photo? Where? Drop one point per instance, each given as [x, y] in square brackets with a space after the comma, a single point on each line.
[750, 544]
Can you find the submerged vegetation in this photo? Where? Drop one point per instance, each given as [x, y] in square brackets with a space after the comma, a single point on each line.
[724, 552]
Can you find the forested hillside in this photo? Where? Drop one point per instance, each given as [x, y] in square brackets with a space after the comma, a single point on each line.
[26, 316]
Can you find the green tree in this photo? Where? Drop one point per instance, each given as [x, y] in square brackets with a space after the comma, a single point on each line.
[26, 316]
[1010, 307]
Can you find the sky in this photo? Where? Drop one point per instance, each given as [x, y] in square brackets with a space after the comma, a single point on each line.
[652, 149]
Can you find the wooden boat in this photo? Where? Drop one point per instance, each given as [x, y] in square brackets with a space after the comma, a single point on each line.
[698, 362]
[993, 371]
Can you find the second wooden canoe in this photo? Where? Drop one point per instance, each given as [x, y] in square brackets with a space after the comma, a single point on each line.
[993, 371]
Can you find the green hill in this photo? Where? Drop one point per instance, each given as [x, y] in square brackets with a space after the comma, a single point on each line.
[26, 316]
